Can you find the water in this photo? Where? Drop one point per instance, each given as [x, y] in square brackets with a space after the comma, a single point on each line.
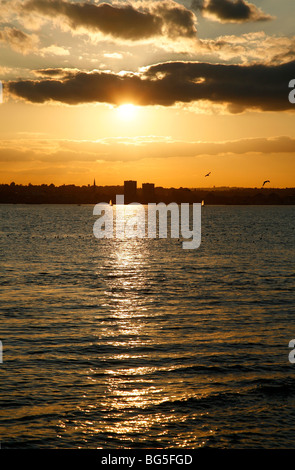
[141, 344]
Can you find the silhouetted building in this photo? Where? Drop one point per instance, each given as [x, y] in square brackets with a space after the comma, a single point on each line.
[130, 191]
[148, 192]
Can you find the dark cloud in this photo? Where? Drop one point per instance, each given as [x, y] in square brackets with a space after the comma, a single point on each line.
[177, 20]
[240, 87]
[56, 72]
[121, 21]
[231, 10]
[50, 72]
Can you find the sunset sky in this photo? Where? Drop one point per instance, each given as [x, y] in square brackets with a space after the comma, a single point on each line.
[156, 91]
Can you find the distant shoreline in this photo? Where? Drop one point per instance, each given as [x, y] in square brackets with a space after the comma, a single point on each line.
[74, 195]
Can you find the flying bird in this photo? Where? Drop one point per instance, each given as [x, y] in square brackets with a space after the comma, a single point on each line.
[266, 181]
[208, 174]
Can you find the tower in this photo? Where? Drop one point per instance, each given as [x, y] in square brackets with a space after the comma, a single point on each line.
[130, 191]
[148, 192]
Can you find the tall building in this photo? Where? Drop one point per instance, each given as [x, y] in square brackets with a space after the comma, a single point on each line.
[148, 192]
[130, 191]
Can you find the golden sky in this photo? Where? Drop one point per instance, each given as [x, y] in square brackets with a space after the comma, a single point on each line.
[156, 91]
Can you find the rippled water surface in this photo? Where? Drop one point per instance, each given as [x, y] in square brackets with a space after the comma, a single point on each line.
[139, 343]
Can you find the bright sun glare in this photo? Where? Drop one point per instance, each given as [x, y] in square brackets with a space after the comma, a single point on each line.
[127, 112]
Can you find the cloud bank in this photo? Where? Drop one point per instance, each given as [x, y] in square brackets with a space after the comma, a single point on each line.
[240, 87]
[124, 21]
[136, 148]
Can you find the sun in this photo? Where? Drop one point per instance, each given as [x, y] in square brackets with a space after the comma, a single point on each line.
[127, 112]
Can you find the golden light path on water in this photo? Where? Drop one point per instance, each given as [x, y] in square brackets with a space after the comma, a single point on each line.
[130, 391]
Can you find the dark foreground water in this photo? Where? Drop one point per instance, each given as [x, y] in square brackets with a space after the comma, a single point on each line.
[139, 343]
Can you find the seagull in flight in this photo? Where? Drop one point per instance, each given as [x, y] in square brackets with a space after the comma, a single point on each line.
[266, 181]
[208, 174]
